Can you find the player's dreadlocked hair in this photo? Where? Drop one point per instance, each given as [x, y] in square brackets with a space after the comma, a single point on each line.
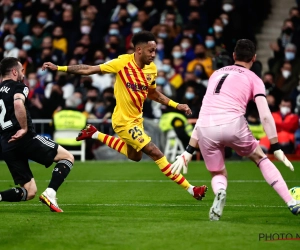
[244, 50]
[7, 64]
[142, 37]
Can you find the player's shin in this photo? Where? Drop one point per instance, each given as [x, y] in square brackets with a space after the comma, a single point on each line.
[164, 166]
[59, 173]
[112, 142]
[15, 194]
[274, 179]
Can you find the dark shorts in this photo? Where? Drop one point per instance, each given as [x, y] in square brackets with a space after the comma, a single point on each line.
[39, 149]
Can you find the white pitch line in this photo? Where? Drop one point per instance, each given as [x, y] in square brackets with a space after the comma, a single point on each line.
[154, 181]
[140, 205]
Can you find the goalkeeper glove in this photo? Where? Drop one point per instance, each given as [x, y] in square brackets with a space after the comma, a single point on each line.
[181, 163]
[281, 157]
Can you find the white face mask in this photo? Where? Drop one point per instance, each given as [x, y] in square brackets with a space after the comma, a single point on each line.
[227, 7]
[177, 54]
[286, 73]
[32, 83]
[298, 88]
[225, 21]
[185, 45]
[218, 28]
[85, 29]
[136, 30]
[285, 110]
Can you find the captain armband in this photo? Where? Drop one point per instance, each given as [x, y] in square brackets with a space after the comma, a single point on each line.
[190, 149]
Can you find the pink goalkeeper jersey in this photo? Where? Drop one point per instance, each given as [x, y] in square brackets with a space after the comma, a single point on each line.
[228, 92]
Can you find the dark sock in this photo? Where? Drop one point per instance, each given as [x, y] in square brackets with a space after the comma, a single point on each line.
[59, 173]
[15, 194]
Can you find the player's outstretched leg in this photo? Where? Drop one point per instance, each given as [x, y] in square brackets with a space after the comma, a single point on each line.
[219, 186]
[274, 178]
[161, 161]
[113, 142]
[63, 167]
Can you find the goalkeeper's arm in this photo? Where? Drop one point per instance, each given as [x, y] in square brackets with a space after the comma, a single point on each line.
[270, 129]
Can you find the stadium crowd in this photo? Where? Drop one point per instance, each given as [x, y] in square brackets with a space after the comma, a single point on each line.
[194, 38]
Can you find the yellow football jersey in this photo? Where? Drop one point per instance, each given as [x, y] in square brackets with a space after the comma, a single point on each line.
[131, 86]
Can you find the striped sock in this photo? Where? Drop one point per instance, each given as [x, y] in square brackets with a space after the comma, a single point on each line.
[164, 166]
[113, 142]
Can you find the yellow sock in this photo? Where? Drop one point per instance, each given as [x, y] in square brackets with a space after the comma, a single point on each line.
[164, 166]
[114, 143]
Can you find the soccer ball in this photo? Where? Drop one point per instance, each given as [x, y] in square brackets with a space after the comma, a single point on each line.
[295, 192]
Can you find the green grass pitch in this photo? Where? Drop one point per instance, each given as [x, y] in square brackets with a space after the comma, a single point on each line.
[128, 205]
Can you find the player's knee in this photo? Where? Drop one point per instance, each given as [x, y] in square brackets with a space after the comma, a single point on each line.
[136, 158]
[70, 158]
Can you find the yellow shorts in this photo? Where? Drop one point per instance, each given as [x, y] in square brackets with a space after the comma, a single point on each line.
[133, 134]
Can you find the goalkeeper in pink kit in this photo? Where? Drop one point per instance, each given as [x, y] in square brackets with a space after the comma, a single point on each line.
[221, 123]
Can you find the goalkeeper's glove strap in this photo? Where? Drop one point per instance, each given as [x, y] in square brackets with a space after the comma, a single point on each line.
[274, 147]
[190, 149]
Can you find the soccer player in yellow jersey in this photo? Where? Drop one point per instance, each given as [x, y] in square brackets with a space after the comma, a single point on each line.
[135, 81]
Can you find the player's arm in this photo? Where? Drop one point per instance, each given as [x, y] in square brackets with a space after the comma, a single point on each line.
[20, 113]
[157, 96]
[268, 123]
[80, 69]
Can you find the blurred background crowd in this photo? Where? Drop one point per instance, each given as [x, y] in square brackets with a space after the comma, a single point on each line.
[194, 38]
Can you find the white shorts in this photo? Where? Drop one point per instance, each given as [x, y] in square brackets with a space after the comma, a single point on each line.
[212, 141]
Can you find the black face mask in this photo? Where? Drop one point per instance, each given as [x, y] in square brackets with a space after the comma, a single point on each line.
[268, 85]
[114, 45]
[201, 55]
[288, 31]
[92, 98]
[148, 9]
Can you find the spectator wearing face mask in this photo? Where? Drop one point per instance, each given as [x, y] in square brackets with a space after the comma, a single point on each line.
[210, 44]
[20, 27]
[217, 31]
[135, 28]
[271, 88]
[124, 4]
[187, 49]
[171, 7]
[189, 31]
[290, 53]
[167, 88]
[192, 99]
[10, 46]
[287, 36]
[173, 78]
[43, 19]
[285, 80]
[286, 125]
[178, 60]
[203, 59]
[101, 81]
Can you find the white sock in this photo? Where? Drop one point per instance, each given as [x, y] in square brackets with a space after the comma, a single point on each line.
[292, 202]
[95, 135]
[190, 189]
[51, 191]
